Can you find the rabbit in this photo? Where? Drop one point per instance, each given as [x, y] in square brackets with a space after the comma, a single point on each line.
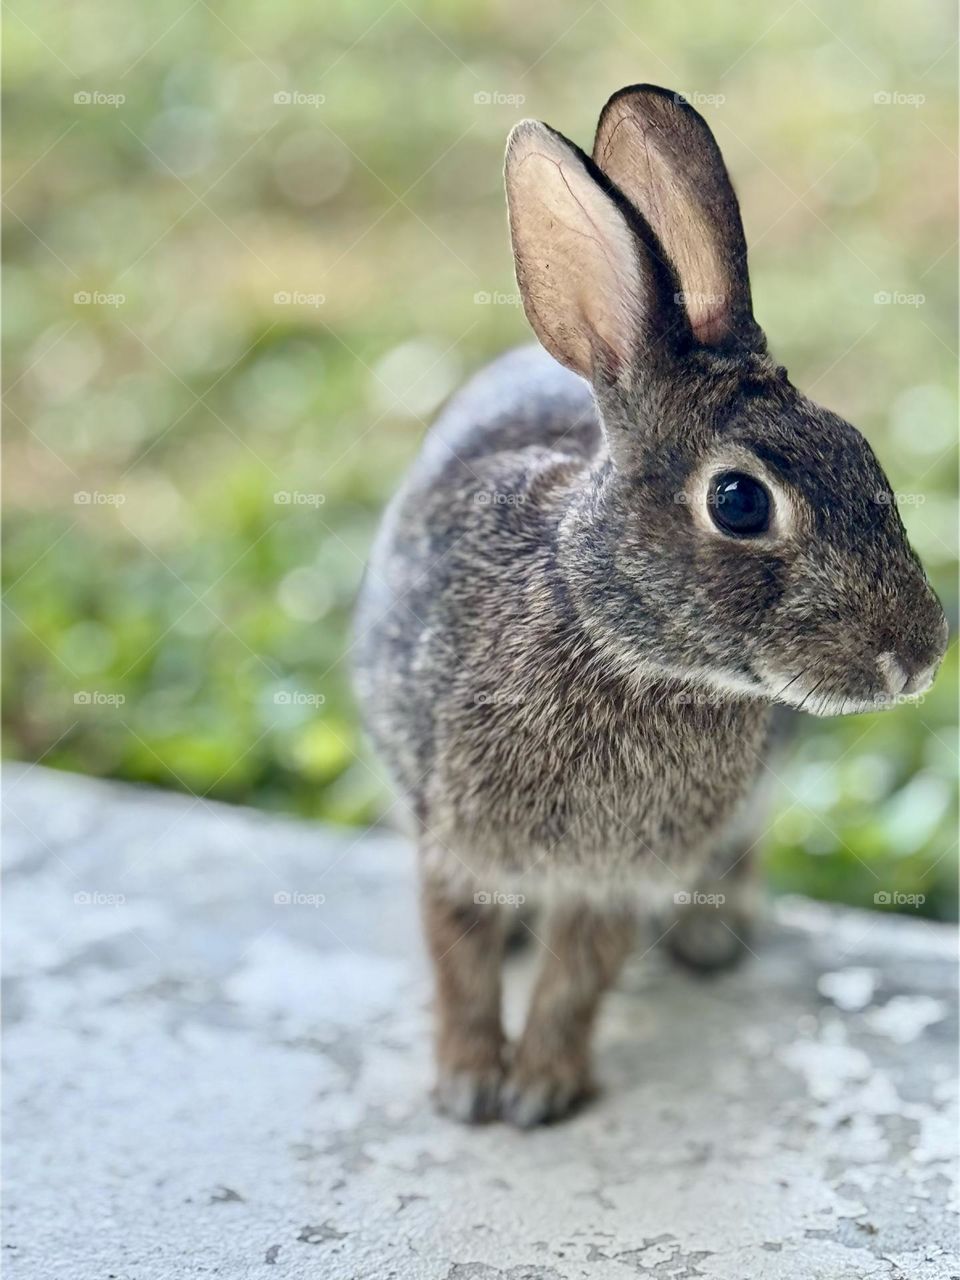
[615, 552]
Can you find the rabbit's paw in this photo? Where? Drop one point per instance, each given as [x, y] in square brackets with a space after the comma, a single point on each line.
[708, 940]
[469, 1094]
[538, 1093]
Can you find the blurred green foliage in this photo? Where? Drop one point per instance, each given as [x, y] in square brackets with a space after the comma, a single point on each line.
[299, 281]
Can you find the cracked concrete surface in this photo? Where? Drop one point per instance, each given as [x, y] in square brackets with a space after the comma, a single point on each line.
[205, 1079]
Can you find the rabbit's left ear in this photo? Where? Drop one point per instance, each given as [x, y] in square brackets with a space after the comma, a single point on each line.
[661, 154]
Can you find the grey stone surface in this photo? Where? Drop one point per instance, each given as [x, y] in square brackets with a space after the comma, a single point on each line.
[204, 1081]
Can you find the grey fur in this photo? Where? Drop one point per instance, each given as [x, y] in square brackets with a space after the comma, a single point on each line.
[568, 677]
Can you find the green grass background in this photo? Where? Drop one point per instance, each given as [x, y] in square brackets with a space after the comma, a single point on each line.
[220, 616]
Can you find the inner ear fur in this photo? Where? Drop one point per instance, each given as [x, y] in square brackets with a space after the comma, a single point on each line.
[661, 154]
[595, 284]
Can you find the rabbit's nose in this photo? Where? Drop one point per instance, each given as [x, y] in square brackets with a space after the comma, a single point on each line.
[895, 675]
[910, 660]
[899, 678]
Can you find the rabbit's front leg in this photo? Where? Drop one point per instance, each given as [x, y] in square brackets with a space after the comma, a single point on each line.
[585, 947]
[465, 939]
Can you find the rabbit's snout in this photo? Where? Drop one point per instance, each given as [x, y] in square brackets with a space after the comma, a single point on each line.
[910, 665]
[887, 645]
[898, 678]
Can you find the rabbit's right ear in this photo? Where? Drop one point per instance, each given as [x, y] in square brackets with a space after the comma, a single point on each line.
[593, 288]
[661, 154]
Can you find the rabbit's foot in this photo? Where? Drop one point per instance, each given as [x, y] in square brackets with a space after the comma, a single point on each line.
[469, 1094]
[540, 1092]
[709, 939]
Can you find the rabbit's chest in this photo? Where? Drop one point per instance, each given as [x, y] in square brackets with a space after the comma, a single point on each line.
[601, 787]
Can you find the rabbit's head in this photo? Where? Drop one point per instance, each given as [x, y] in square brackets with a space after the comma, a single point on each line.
[733, 532]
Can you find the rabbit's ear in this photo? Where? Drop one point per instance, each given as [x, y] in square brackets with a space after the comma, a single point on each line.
[663, 157]
[590, 275]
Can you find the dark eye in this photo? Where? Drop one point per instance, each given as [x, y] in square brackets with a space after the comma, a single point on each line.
[739, 504]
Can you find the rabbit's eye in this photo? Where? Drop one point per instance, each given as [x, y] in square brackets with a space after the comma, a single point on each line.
[739, 504]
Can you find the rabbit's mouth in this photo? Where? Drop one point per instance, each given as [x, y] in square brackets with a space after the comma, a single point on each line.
[823, 695]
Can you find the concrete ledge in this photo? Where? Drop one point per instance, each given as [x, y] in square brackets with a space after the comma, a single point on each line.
[207, 1080]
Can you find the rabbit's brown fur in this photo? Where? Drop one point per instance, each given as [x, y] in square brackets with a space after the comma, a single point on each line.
[567, 667]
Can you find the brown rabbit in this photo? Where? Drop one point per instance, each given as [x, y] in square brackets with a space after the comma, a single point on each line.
[609, 560]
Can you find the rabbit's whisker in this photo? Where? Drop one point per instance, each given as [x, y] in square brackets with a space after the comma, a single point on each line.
[791, 681]
[832, 695]
[810, 691]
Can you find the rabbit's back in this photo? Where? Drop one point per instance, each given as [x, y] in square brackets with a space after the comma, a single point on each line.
[465, 535]
[522, 399]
